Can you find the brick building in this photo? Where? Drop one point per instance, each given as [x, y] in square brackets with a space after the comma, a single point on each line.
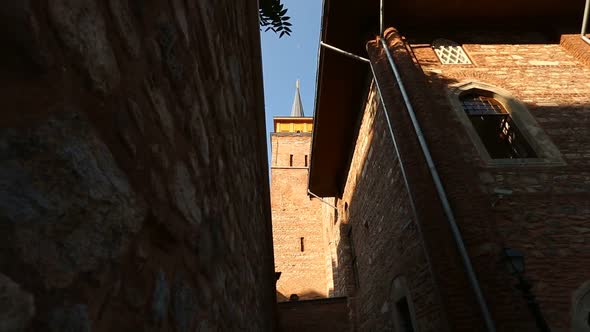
[298, 238]
[455, 148]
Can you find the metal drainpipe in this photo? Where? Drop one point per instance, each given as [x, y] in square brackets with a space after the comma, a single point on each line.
[442, 196]
[585, 22]
[402, 168]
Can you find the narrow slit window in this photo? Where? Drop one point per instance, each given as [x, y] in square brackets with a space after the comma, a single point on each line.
[305, 160]
[302, 244]
[403, 314]
[291, 160]
[495, 127]
[355, 271]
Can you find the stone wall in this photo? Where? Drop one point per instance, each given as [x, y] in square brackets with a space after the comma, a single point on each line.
[296, 218]
[133, 179]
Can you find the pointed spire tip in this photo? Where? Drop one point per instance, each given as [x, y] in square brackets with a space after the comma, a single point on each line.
[297, 110]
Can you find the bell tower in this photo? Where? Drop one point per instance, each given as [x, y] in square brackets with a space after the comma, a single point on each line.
[299, 246]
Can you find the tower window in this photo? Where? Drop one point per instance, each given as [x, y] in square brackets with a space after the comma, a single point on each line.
[305, 160]
[495, 127]
[302, 244]
[449, 52]
[355, 270]
[290, 160]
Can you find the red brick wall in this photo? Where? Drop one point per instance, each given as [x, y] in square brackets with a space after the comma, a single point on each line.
[386, 238]
[296, 216]
[546, 216]
[548, 213]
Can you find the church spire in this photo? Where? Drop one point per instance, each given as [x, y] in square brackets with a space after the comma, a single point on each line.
[297, 110]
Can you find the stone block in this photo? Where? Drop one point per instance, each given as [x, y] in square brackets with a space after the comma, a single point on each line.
[17, 306]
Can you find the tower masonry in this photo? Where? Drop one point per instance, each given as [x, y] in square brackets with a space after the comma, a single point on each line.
[299, 246]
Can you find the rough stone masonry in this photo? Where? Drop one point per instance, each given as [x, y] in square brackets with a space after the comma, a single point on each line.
[133, 180]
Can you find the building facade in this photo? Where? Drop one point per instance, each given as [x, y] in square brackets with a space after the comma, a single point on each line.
[471, 154]
[298, 238]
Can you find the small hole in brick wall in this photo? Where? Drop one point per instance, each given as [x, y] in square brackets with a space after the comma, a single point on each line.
[345, 206]
[290, 160]
[305, 160]
[301, 241]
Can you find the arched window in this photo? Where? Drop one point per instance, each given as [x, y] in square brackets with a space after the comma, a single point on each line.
[449, 52]
[500, 126]
[495, 127]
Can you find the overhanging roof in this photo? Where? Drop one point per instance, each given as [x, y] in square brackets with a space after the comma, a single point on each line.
[342, 81]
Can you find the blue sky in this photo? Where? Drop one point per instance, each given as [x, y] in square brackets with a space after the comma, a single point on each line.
[290, 58]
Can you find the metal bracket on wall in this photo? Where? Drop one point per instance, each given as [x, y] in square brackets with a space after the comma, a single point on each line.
[348, 54]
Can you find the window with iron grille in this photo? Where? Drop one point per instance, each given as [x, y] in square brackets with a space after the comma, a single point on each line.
[449, 52]
[495, 127]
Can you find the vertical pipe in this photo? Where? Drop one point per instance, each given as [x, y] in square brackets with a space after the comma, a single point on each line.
[442, 196]
[402, 168]
[381, 18]
[585, 22]
[585, 18]
[395, 146]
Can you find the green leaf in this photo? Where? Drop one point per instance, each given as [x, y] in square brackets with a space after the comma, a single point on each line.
[271, 15]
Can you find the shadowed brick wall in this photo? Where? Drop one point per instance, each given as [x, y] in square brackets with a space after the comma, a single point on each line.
[546, 216]
[133, 178]
[376, 218]
[296, 216]
[314, 315]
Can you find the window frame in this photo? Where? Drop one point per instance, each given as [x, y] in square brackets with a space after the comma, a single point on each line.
[485, 112]
[547, 153]
[442, 42]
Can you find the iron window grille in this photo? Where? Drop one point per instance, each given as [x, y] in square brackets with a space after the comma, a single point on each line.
[450, 53]
[495, 127]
